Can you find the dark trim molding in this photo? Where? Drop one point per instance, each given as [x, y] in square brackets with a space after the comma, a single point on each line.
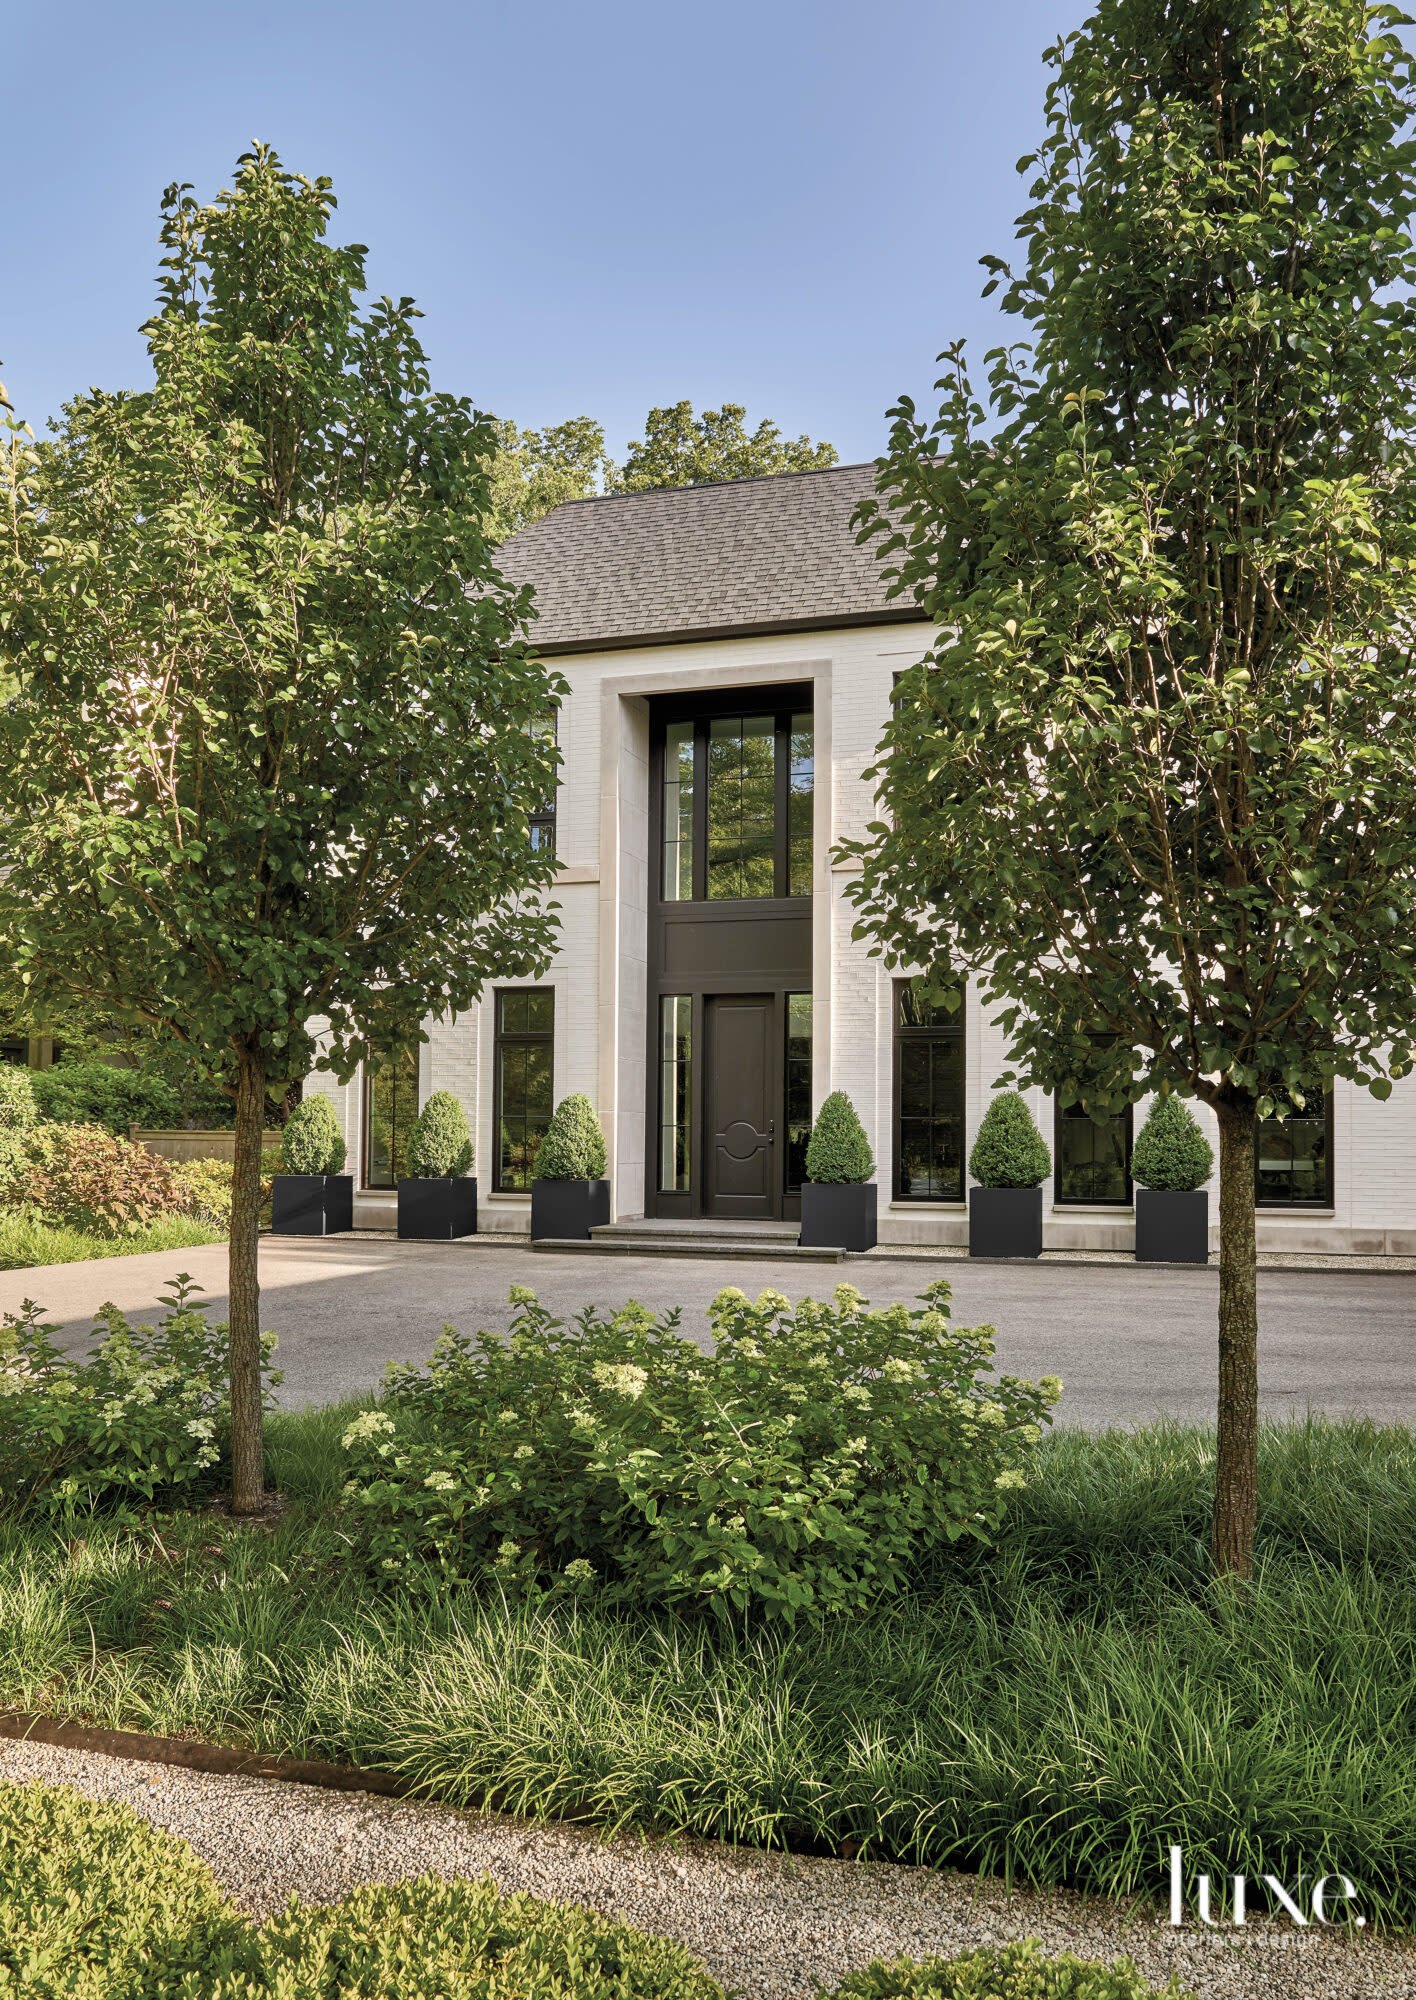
[760, 629]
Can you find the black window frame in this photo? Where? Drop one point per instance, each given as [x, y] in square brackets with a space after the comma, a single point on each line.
[902, 1032]
[795, 1135]
[519, 1037]
[543, 824]
[781, 703]
[1072, 1113]
[1315, 1203]
[396, 1151]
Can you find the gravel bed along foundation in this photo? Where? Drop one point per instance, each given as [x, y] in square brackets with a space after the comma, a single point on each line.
[766, 1925]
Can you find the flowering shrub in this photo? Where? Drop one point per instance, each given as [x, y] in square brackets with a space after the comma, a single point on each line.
[801, 1468]
[81, 1177]
[147, 1411]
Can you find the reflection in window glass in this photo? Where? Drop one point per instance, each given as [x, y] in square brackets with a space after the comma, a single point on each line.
[525, 1020]
[799, 808]
[1093, 1160]
[929, 1072]
[678, 812]
[393, 1106]
[543, 821]
[742, 787]
[675, 1092]
[1292, 1156]
[798, 1087]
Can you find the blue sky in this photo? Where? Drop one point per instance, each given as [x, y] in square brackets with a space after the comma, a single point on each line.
[598, 207]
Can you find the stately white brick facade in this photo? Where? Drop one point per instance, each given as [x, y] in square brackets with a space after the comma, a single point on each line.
[600, 973]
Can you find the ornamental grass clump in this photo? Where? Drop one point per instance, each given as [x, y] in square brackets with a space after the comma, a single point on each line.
[574, 1146]
[147, 1413]
[440, 1144]
[1009, 1151]
[838, 1152]
[807, 1466]
[312, 1142]
[1171, 1152]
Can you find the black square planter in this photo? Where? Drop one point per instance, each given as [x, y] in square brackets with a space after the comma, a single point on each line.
[838, 1215]
[311, 1204]
[568, 1210]
[1172, 1226]
[437, 1210]
[1005, 1222]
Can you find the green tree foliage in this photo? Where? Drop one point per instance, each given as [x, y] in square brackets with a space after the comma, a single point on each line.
[681, 449]
[1008, 1150]
[18, 1112]
[1171, 1151]
[574, 1146]
[838, 1150]
[1161, 750]
[312, 1142]
[440, 1144]
[272, 755]
[534, 471]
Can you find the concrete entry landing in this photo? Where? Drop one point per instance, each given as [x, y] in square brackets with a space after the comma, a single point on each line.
[664, 1238]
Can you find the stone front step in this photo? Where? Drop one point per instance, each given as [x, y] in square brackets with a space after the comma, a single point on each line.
[694, 1239]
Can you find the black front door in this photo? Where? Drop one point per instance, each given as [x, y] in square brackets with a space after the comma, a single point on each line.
[742, 1102]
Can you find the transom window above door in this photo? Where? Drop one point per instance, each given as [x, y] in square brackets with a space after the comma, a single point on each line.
[737, 805]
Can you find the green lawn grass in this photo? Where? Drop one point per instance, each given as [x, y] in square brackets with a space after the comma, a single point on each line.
[1060, 1710]
[25, 1245]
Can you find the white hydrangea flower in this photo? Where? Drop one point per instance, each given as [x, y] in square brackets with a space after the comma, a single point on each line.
[440, 1482]
[368, 1424]
[524, 1451]
[623, 1377]
[1010, 1479]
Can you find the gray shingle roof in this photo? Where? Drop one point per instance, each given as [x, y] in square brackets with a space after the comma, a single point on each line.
[697, 562]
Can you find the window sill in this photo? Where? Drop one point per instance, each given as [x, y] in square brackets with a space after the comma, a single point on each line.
[508, 1194]
[926, 1207]
[1093, 1207]
[1308, 1211]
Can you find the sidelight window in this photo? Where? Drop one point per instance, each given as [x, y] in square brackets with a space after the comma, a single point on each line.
[735, 801]
[391, 1106]
[675, 1093]
[929, 1097]
[798, 1087]
[521, 1081]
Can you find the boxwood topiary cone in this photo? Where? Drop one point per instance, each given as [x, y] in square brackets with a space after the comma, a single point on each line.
[574, 1146]
[838, 1152]
[1009, 1151]
[312, 1142]
[440, 1144]
[1172, 1152]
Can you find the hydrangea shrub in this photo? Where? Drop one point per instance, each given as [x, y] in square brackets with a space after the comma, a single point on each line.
[312, 1142]
[574, 1146]
[800, 1469]
[440, 1144]
[147, 1412]
[1171, 1151]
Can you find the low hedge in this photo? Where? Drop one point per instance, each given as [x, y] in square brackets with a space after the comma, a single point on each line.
[98, 1904]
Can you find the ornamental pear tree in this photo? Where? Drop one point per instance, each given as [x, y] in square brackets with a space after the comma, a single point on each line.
[276, 737]
[1154, 783]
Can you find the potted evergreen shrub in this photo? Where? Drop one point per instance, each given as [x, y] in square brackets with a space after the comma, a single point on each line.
[312, 1195]
[838, 1196]
[1010, 1161]
[1170, 1165]
[437, 1198]
[569, 1193]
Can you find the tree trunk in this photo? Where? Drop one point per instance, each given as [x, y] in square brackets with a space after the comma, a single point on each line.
[247, 1454]
[1236, 1476]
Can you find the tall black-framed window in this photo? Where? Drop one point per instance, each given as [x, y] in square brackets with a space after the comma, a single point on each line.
[543, 822]
[737, 788]
[1092, 1161]
[390, 1108]
[523, 1094]
[676, 1093]
[929, 1097]
[796, 1078]
[1293, 1156]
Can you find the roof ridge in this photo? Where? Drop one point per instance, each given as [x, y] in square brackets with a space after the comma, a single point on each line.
[709, 485]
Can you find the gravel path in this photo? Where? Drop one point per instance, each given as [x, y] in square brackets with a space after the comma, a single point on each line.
[765, 1924]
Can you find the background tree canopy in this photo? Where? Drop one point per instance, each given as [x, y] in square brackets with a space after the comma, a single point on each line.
[681, 449]
[1155, 783]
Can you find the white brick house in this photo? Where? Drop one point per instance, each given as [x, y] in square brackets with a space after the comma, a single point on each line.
[730, 655]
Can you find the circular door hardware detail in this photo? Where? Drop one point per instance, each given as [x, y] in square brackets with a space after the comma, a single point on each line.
[738, 1134]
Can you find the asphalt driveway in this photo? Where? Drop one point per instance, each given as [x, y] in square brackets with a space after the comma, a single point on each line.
[1127, 1342]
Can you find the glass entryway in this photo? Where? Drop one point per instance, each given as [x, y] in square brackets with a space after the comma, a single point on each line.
[729, 1083]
